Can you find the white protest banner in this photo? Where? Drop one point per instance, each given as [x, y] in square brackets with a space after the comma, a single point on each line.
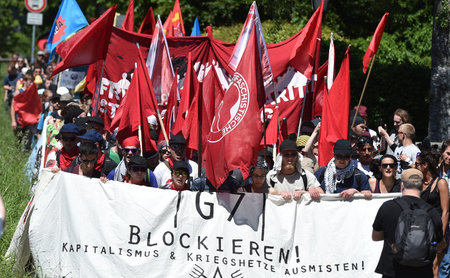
[81, 227]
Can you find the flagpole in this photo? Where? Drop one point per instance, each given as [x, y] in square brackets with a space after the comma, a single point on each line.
[364, 89]
[200, 122]
[97, 89]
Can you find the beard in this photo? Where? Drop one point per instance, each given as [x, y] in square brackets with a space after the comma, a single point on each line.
[288, 167]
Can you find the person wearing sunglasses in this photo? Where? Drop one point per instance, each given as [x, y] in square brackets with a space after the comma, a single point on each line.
[387, 183]
[164, 153]
[341, 176]
[407, 151]
[177, 149]
[130, 147]
[137, 172]
[180, 177]
[389, 141]
[95, 137]
[288, 179]
[62, 158]
[85, 163]
[256, 182]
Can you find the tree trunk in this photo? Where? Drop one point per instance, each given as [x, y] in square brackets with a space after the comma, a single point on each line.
[439, 114]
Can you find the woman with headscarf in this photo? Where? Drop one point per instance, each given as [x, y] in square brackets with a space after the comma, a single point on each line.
[256, 182]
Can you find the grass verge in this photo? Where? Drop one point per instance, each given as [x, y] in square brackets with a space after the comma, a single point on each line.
[14, 187]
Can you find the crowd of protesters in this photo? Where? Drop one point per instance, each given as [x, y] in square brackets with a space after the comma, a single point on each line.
[369, 162]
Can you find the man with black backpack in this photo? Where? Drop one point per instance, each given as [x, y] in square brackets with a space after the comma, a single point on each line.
[411, 230]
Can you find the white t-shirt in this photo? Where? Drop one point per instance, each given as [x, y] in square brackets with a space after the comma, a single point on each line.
[411, 151]
[291, 182]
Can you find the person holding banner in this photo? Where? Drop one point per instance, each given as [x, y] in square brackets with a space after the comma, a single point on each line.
[341, 176]
[180, 176]
[84, 164]
[256, 182]
[137, 172]
[288, 179]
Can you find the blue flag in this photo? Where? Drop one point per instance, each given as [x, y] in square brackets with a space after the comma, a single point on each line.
[69, 19]
[196, 29]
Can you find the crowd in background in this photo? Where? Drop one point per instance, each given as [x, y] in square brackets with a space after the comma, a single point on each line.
[371, 161]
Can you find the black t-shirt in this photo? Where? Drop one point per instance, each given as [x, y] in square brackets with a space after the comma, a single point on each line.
[386, 221]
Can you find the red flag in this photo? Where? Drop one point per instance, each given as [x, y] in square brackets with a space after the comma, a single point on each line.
[138, 104]
[335, 112]
[28, 106]
[128, 22]
[88, 45]
[272, 131]
[190, 88]
[171, 111]
[302, 57]
[173, 26]
[191, 126]
[375, 42]
[320, 88]
[236, 129]
[159, 65]
[212, 95]
[253, 21]
[148, 24]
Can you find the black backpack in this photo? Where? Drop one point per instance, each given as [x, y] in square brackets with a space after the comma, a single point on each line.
[414, 243]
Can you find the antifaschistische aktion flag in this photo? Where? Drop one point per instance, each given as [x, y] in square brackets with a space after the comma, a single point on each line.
[69, 20]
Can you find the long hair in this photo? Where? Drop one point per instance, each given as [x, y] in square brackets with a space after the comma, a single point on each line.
[431, 158]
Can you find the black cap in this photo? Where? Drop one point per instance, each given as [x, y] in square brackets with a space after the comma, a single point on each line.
[343, 146]
[177, 140]
[69, 128]
[137, 161]
[288, 145]
[183, 165]
[150, 155]
[359, 120]
[81, 123]
[96, 120]
[55, 97]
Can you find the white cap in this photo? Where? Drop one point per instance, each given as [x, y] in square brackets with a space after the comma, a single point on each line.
[62, 91]
[152, 120]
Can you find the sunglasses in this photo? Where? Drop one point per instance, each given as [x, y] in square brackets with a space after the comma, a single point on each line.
[132, 150]
[165, 151]
[69, 138]
[342, 157]
[138, 169]
[291, 154]
[93, 127]
[178, 172]
[391, 165]
[87, 161]
[177, 147]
